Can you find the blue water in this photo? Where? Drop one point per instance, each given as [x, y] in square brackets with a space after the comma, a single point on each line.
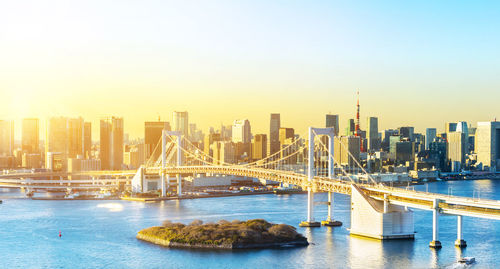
[101, 234]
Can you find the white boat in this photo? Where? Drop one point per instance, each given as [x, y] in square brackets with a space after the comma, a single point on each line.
[467, 260]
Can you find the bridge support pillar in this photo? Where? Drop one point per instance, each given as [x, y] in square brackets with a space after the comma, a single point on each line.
[163, 162]
[435, 243]
[460, 243]
[329, 220]
[310, 193]
[310, 211]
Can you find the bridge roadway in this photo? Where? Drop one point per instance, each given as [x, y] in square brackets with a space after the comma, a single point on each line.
[453, 205]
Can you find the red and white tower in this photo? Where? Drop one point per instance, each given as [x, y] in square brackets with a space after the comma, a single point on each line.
[357, 131]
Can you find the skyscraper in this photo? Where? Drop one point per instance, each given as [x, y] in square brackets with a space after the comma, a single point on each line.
[487, 145]
[259, 147]
[456, 150]
[31, 136]
[407, 132]
[6, 137]
[351, 127]
[56, 143]
[75, 128]
[180, 122]
[274, 129]
[430, 135]
[286, 136]
[152, 137]
[242, 131]
[111, 143]
[87, 140]
[332, 121]
[372, 134]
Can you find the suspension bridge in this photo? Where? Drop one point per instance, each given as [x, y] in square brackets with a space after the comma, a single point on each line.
[377, 211]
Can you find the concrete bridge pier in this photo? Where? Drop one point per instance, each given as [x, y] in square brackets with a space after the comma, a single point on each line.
[435, 243]
[310, 211]
[460, 243]
[329, 220]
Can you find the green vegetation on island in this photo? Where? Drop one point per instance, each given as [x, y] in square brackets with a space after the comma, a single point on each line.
[256, 233]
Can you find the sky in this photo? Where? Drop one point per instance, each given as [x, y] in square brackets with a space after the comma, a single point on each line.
[417, 63]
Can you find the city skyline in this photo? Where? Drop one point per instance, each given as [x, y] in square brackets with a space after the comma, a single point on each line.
[406, 59]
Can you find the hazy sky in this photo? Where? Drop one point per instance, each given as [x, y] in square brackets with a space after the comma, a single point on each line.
[417, 63]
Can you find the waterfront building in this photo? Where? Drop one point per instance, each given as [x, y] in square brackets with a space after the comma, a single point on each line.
[332, 121]
[430, 135]
[274, 128]
[259, 147]
[111, 143]
[181, 122]
[6, 137]
[56, 141]
[75, 129]
[152, 138]
[487, 145]
[87, 140]
[133, 155]
[31, 136]
[372, 137]
[456, 150]
[242, 131]
[31, 160]
[438, 151]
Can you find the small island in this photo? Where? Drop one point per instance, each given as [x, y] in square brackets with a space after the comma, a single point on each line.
[255, 233]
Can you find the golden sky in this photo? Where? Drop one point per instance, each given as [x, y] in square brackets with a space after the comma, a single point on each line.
[414, 65]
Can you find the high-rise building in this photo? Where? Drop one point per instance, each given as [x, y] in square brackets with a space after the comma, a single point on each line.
[456, 150]
[345, 144]
[404, 151]
[274, 129]
[223, 152]
[6, 138]
[450, 127]
[387, 136]
[259, 147]
[407, 132]
[286, 136]
[111, 143]
[87, 140]
[332, 121]
[31, 136]
[430, 135]
[372, 134]
[56, 143]
[181, 122]
[209, 140]
[351, 127]
[75, 128]
[487, 145]
[463, 128]
[242, 131]
[152, 138]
